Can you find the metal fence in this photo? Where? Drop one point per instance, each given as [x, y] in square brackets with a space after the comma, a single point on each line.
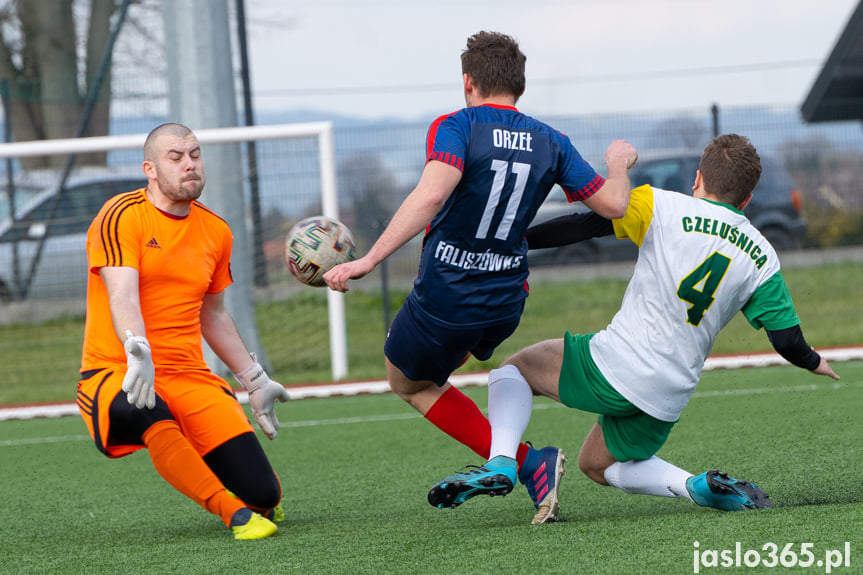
[377, 166]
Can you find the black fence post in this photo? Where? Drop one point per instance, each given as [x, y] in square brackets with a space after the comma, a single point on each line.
[259, 262]
[714, 111]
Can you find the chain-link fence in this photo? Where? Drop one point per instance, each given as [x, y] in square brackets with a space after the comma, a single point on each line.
[817, 166]
[377, 166]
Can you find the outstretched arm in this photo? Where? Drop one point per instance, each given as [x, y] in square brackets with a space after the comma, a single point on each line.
[790, 344]
[121, 283]
[221, 333]
[612, 198]
[434, 188]
[568, 229]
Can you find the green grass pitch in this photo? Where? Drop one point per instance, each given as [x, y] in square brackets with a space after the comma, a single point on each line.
[355, 472]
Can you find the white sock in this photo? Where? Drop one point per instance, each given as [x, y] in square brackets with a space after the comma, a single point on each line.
[652, 476]
[510, 401]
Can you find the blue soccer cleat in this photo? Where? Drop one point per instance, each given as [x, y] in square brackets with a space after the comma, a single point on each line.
[541, 473]
[715, 489]
[496, 477]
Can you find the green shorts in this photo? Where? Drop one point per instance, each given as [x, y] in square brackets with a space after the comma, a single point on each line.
[630, 434]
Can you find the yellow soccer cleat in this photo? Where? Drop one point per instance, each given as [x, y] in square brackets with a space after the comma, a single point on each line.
[276, 514]
[246, 524]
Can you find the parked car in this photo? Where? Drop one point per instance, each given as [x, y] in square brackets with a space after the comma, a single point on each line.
[61, 267]
[774, 209]
[23, 192]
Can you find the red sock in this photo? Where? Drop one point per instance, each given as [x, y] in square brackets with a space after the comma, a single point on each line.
[458, 416]
[521, 454]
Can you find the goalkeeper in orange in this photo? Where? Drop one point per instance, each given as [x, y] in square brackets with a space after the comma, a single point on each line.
[159, 263]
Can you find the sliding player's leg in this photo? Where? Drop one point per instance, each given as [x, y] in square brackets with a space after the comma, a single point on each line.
[420, 356]
[243, 468]
[646, 474]
[218, 428]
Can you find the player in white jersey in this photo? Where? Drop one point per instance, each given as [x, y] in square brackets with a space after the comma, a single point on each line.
[700, 261]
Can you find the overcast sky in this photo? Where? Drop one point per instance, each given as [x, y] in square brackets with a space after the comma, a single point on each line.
[400, 58]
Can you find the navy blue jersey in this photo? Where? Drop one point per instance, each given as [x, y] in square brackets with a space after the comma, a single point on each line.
[473, 268]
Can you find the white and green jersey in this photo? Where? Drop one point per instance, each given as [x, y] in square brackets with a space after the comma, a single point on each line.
[699, 263]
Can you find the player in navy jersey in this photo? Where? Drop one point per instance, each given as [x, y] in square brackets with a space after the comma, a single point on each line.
[489, 167]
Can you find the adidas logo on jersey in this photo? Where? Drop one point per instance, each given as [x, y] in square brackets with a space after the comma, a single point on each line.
[153, 244]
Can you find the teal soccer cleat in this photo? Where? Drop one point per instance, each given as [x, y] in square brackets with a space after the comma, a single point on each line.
[715, 489]
[496, 477]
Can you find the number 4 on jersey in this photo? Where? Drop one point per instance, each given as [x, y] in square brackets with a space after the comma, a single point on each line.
[709, 273]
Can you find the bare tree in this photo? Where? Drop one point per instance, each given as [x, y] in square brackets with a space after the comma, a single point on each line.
[46, 80]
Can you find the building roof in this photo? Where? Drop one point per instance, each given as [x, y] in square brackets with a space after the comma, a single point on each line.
[837, 93]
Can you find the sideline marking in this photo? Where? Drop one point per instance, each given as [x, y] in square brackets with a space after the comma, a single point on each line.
[414, 415]
[458, 380]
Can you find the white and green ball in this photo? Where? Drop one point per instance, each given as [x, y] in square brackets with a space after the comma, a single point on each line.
[315, 245]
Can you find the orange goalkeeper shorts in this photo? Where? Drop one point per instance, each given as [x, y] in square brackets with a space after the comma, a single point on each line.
[202, 404]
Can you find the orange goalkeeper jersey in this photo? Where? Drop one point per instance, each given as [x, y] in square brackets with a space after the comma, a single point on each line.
[179, 260]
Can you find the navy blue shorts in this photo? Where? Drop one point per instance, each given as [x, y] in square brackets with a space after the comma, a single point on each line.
[425, 350]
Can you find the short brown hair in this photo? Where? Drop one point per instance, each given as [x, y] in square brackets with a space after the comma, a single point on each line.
[170, 128]
[730, 167]
[495, 64]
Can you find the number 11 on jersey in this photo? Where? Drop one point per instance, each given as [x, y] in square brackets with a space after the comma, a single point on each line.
[500, 169]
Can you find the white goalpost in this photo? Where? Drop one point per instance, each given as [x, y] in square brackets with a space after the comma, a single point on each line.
[322, 131]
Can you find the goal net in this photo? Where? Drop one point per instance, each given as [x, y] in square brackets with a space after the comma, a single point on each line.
[285, 172]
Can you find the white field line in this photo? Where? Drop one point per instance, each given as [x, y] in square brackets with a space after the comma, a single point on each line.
[458, 380]
[415, 415]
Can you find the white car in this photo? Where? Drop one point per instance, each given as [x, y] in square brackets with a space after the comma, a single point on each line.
[42, 249]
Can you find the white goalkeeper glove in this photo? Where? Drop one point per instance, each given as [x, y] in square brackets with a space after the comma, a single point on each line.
[141, 373]
[263, 393]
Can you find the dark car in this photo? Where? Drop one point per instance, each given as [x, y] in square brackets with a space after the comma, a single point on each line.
[774, 209]
[61, 266]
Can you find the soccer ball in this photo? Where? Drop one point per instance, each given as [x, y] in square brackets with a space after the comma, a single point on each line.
[315, 245]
